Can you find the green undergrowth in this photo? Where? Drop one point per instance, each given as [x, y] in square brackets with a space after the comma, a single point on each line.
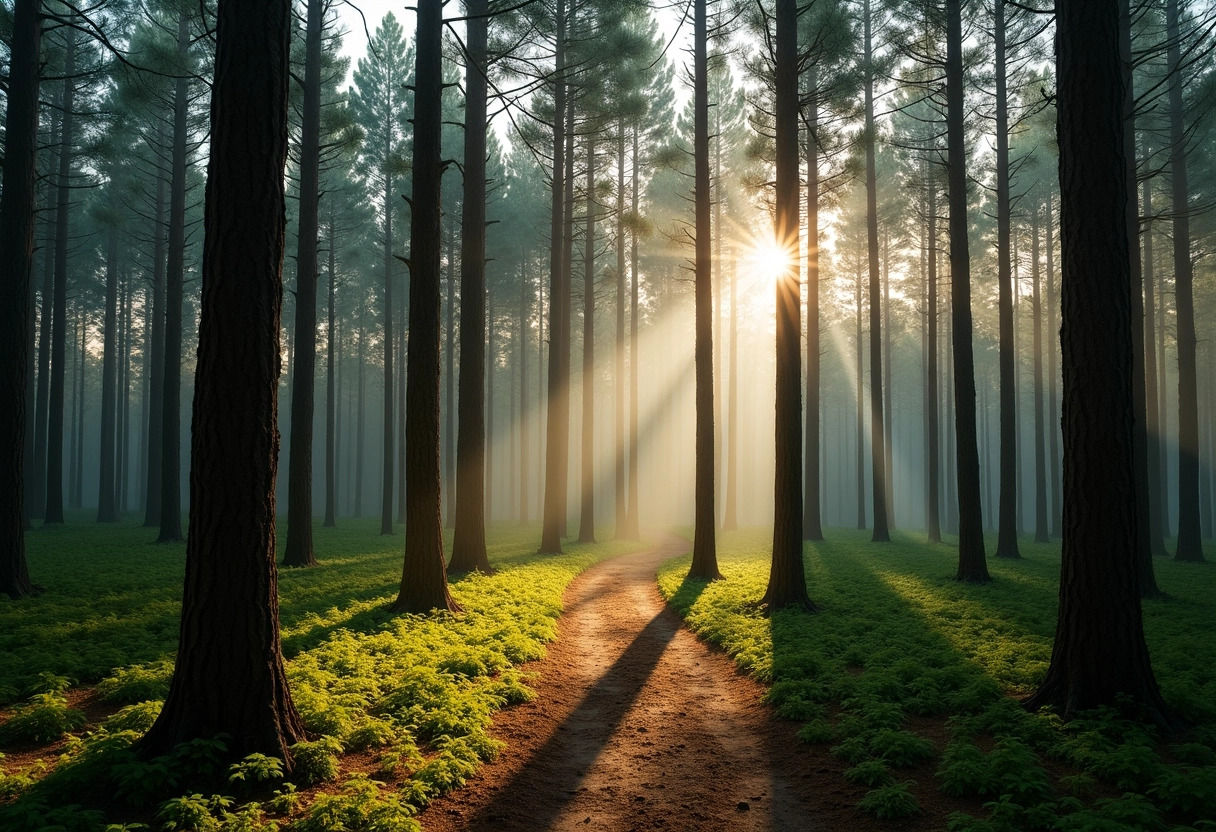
[410, 696]
[898, 643]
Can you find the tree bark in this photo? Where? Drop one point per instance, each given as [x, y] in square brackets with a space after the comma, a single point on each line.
[469, 539]
[107, 507]
[618, 375]
[299, 551]
[331, 354]
[705, 518]
[1153, 423]
[16, 261]
[53, 507]
[424, 585]
[1053, 369]
[449, 388]
[554, 521]
[631, 515]
[586, 522]
[972, 566]
[36, 493]
[787, 579]
[155, 324]
[525, 509]
[878, 454]
[1190, 546]
[171, 457]
[933, 454]
[1007, 525]
[386, 455]
[229, 676]
[812, 522]
[1099, 653]
[1041, 532]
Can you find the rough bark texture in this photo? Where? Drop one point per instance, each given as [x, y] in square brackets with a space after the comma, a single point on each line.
[229, 674]
[1007, 522]
[704, 542]
[878, 454]
[558, 416]
[1099, 652]
[1053, 370]
[972, 565]
[16, 260]
[298, 551]
[787, 578]
[424, 585]
[1190, 546]
[469, 539]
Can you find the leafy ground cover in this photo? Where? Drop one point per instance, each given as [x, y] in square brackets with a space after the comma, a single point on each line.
[398, 706]
[907, 671]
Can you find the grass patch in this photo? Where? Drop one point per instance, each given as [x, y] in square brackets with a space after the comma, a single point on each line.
[414, 695]
[898, 638]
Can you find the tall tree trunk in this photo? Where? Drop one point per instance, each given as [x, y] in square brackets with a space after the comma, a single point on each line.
[36, 493]
[787, 579]
[229, 675]
[1190, 547]
[1099, 653]
[489, 382]
[299, 551]
[402, 316]
[16, 261]
[53, 508]
[171, 457]
[331, 472]
[933, 454]
[123, 417]
[469, 540]
[1163, 403]
[618, 375]
[860, 450]
[878, 454]
[631, 515]
[525, 508]
[1007, 526]
[154, 323]
[554, 523]
[1152, 422]
[449, 410]
[1041, 532]
[359, 420]
[424, 585]
[1140, 438]
[812, 523]
[971, 562]
[888, 383]
[567, 313]
[1053, 374]
[586, 521]
[386, 455]
[107, 507]
[704, 544]
[731, 521]
[74, 467]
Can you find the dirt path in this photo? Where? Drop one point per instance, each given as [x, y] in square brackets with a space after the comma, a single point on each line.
[638, 726]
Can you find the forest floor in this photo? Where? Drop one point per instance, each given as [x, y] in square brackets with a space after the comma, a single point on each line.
[639, 725]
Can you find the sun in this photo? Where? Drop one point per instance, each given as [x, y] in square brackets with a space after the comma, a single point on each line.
[768, 259]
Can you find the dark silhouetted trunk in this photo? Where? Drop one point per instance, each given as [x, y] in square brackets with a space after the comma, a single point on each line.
[53, 508]
[469, 540]
[298, 551]
[449, 392]
[331, 469]
[1190, 547]
[971, 561]
[1007, 522]
[1099, 656]
[787, 579]
[860, 449]
[424, 585]
[704, 544]
[36, 493]
[16, 261]
[878, 454]
[107, 507]
[171, 457]
[554, 523]
[1053, 369]
[229, 676]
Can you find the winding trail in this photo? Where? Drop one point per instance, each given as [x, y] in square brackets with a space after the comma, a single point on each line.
[638, 725]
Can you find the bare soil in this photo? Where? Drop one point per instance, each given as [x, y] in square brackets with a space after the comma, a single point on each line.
[638, 725]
